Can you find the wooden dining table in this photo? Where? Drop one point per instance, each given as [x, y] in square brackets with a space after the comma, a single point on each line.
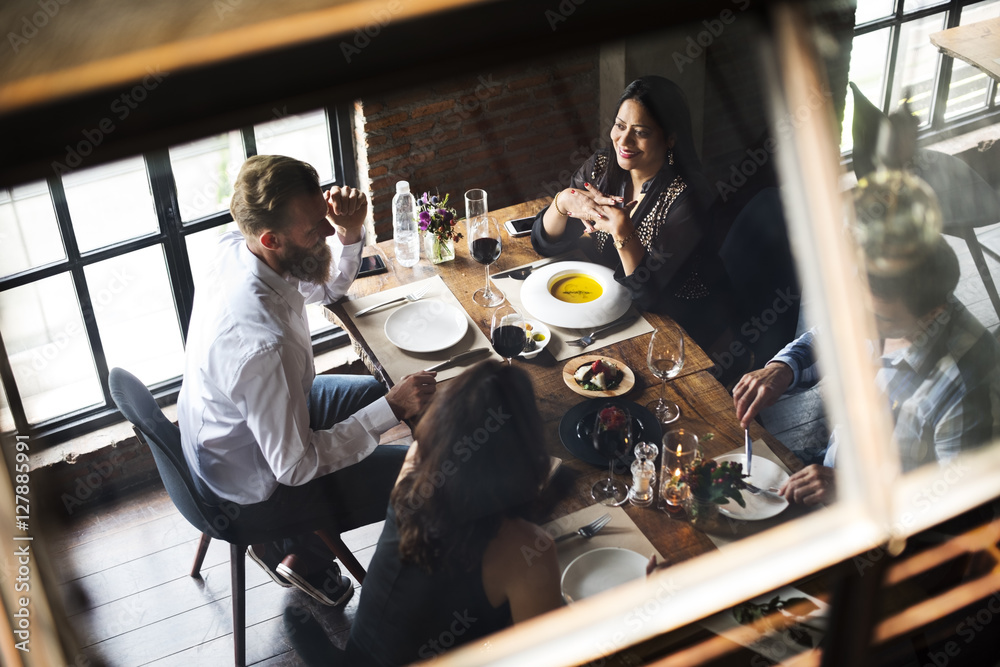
[706, 406]
[976, 43]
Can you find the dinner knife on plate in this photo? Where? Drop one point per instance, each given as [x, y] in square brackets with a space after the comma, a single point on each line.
[470, 354]
[749, 446]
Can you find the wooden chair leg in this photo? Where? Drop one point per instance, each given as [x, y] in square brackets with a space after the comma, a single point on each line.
[975, 249]
[199, 557]
[343, 554]
[237, 566]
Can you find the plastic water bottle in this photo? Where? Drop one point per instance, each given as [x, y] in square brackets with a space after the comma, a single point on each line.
[405, 233]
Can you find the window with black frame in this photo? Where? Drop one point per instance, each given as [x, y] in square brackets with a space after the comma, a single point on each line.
[100, 265]
[892, 58]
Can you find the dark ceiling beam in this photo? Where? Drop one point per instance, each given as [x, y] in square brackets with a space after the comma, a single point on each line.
[175, 107]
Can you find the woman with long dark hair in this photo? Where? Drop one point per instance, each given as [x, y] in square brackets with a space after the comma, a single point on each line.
[457, 559]
[643, 203]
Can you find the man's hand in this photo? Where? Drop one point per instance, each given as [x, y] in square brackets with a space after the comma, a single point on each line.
[759, 389]
[346, 209]
[411, 396]
[811, 485]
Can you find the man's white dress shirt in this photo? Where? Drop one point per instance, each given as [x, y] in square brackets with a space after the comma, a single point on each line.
[249, 367]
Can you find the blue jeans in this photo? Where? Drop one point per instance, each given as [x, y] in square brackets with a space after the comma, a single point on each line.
[348, 498]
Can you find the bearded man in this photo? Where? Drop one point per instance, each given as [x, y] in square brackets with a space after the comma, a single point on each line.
[259, 428]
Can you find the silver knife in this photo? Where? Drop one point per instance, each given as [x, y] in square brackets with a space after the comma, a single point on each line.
[459, 357]
[378, 305]
[749, 446]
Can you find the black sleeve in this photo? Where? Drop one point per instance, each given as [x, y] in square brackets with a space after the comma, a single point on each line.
[574, 227]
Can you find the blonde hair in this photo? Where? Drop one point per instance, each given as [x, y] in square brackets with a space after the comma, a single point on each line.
[264, 186]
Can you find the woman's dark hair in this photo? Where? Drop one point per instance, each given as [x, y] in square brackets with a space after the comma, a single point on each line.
[926, 285]
[665, 100]
[479, 459]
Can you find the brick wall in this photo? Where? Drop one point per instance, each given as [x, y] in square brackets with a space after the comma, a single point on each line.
[516, 132]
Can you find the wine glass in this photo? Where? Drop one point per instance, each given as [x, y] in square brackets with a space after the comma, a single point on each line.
[484, 244]
[612, 437]
[507, 332]
[665, 359]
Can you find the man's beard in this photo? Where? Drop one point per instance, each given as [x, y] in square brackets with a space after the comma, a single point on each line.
[311, 265]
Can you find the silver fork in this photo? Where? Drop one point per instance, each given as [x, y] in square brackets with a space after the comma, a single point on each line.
[411, 297]
[589, 530]
[584, 341]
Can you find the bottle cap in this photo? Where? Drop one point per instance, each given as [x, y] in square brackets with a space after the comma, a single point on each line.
[402, 187]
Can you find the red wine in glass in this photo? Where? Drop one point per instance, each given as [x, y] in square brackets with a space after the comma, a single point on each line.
[612, 437]
[486, 250]
[508, 340]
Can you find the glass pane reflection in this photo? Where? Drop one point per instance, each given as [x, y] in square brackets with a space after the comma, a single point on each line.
[49, 351]
[969, 85]
[304, 137]
[205, 172]
[136, 315]
[869, 55]
[917, 62]
[29, 232]
[110, 203]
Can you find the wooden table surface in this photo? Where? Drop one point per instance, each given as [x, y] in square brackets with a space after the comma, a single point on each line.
[976, 43]
[706, 407]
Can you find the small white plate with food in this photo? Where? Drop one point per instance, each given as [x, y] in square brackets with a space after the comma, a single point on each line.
[597, 376]
[537, 337]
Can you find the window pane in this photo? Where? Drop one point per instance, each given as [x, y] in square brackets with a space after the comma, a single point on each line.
[110, 203]
[48, 348]
[917, 64]
[317, 318]
[970, 85]
[914, 5]
[305, 137]
[136, 315]
[29, 232]
[204, 172]
[870, 10]
[867, 71]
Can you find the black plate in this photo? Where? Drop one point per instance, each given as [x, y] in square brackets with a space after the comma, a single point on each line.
[576, 425]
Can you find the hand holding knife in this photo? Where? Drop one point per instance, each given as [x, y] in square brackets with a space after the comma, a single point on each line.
[464, 356]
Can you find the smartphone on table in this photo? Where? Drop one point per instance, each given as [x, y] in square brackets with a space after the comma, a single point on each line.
[519, 227]
[371, 265]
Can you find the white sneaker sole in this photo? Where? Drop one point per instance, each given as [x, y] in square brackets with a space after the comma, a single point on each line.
[312, 591]
[275, 577]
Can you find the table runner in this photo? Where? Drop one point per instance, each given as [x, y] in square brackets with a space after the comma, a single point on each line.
[399, 363]
[557, 347]
[621, 531]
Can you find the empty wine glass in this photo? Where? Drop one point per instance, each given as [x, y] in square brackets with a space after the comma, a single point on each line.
[484, 244]
[507, 332]
[612, 437]
[665, 359]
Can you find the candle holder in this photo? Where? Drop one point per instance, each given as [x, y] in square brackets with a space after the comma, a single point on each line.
[679, 448]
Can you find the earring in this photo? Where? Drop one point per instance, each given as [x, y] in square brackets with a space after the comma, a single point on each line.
[670, 156]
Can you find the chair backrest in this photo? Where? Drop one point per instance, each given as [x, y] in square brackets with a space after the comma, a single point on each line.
[759, 261]
[163, 437]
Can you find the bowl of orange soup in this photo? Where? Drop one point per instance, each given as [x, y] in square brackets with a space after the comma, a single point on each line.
[575, 295]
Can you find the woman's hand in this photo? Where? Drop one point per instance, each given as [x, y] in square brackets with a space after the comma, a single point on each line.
[588, 205]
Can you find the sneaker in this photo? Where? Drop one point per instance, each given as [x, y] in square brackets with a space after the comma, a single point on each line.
[327, 586]
[268, 558]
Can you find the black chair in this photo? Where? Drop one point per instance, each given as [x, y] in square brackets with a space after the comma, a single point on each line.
[215, 518]
[759, 262]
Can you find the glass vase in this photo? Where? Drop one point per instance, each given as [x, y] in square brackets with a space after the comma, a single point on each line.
[437, 250]
[702, 514]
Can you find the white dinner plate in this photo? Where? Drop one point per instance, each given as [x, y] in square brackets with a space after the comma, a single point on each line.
[765, 474]
[540, 303]
[599, 570]
[426, 326]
